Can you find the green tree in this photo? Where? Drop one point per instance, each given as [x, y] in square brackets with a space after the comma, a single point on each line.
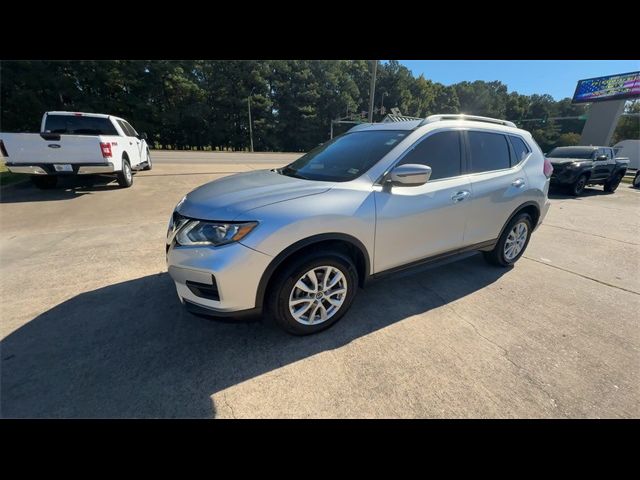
[628, 127]
[567, 140]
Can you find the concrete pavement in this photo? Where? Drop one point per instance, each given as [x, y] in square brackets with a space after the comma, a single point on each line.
[91, 325]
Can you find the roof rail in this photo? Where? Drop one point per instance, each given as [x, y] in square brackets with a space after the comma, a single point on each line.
[475, 118]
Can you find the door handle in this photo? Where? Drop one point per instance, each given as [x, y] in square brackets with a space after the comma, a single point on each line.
[459, 196]
[518, 182]
[130, 143]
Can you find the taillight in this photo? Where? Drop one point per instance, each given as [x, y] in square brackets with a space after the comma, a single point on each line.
[3, 150]
[548, 168]
[106, 149]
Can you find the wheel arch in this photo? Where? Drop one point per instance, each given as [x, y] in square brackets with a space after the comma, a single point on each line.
[354, 247]
[529, 207]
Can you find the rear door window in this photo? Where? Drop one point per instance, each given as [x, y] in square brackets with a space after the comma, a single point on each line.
[488, 151]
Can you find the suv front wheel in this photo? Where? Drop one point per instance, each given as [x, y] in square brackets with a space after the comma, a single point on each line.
[313, 293]
[512, 243]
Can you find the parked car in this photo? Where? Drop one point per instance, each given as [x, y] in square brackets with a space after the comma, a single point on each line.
[576, 167]
[298, 241]
[75, 143]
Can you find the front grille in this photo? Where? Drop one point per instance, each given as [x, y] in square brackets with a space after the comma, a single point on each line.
[203, 290]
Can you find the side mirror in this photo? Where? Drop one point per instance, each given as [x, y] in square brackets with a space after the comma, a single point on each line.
[410, 175]
[602, 158]
[143, 136]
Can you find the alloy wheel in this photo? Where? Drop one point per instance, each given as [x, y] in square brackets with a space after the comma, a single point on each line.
[515, 241]
[318, 295]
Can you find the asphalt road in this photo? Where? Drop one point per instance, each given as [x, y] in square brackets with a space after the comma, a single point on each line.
[91, 325]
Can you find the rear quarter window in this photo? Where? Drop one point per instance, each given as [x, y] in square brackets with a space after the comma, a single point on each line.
[520, 149]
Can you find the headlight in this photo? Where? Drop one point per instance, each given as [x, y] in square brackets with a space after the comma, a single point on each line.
[575, 165]
[197, 232]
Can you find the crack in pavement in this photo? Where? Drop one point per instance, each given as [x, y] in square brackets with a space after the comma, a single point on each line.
[601, 282]
[226, 402]
[505, 353]
[588, 233]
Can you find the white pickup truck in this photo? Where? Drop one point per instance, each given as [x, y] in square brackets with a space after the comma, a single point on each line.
[74, 143]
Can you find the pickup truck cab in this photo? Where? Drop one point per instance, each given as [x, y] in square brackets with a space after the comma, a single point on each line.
[576, 167]
[75, 143]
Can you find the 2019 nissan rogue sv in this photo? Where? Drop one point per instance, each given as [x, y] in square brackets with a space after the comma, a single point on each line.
[298, 241]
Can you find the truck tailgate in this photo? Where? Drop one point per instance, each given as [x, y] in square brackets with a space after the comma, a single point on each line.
[31, 148]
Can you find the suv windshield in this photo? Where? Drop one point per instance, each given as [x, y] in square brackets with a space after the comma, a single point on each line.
[79, 125]
[345, 157]
[585, 153]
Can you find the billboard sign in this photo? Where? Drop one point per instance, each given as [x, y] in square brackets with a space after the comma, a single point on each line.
[612, 87]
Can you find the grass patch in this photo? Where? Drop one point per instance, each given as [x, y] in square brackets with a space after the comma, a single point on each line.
[7, 178]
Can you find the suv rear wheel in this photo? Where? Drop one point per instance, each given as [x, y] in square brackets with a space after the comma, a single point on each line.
[512, 243]
[313, 293]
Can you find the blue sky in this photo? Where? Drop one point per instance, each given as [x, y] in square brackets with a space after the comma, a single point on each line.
[558, 78]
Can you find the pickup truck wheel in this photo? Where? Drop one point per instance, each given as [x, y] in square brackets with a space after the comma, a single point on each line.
[44, 182]
[125, 177]
[512, 243]
[578, 187]
[313, 292]
[149, 166]
[611, 185]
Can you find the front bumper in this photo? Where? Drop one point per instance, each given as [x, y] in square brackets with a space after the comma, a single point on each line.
[49, 169]
[564, 176]
[237, 271]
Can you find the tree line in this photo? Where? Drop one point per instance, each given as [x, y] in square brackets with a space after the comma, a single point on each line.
[203, 104]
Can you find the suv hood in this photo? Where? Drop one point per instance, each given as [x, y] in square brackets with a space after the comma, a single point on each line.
[226, 198]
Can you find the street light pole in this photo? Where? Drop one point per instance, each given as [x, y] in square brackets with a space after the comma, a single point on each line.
[372, 90]
[250, 123]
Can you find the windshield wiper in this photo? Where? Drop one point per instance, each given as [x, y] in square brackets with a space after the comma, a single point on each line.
[290, 172]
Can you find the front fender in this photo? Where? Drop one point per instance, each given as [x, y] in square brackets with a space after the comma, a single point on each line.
[344, 211]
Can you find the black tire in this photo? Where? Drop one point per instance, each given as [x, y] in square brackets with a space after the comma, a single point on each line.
[497, 255]
[283, 285]
[44, 182]
[636, 180]
[125, 176]
[613, 184]
[149, 164]
[578, 186]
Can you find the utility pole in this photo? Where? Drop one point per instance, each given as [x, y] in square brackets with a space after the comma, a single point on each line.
[250, 126]
[382, 102]
[372, 90]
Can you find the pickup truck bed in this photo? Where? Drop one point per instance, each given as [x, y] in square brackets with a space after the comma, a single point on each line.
[40, 154]
[76, 143]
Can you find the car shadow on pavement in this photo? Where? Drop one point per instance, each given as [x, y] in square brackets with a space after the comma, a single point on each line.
[559, 194]
[67, 189]
[130, 349]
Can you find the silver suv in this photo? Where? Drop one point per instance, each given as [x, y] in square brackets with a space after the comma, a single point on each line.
[298, 241]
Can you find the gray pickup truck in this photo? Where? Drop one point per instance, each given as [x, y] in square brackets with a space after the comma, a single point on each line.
[576, 167]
